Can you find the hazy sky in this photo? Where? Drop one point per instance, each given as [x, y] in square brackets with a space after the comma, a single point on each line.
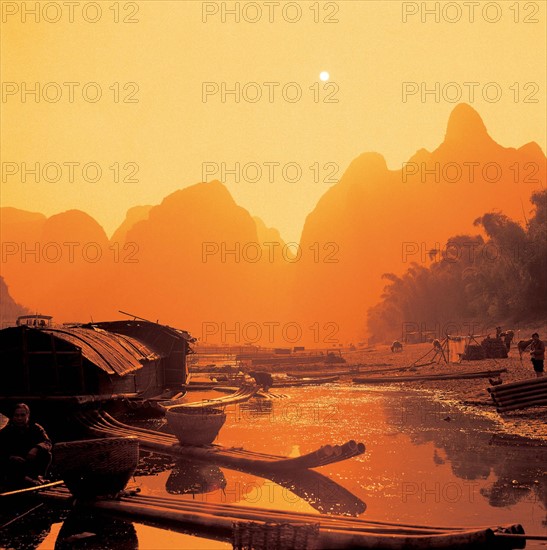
[153, 115]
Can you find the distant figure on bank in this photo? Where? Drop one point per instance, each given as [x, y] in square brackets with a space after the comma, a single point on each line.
[263, 379]
[396, 347]
[25, 449]
[498, 332]
[508, 336]
[537, 352]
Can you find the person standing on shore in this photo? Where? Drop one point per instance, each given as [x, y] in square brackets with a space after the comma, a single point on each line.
[537, 351]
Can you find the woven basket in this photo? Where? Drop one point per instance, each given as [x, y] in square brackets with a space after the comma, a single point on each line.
[198, 426]
[96, 467]
[249, 535]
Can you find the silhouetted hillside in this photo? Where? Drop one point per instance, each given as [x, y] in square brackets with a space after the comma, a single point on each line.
[200, 261]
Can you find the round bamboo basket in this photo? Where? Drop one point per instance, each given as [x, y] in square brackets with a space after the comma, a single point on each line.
[96, 467]
[195, 426]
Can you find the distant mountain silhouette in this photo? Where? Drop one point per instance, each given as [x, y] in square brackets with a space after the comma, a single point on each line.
[133, 215]
[198, 262]
[55, 265]
[193, 260]
[9, 307]
[372, 211]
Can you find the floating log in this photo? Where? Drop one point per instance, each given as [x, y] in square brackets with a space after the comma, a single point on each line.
[432, 377]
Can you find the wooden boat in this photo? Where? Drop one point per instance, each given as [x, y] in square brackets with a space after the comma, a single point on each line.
[96, 467]
[286, 382]
[195, 426]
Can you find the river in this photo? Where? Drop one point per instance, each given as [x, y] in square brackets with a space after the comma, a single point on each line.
[426, 462]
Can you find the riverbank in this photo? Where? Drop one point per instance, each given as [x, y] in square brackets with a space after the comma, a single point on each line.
[380, 361]
[469, 393]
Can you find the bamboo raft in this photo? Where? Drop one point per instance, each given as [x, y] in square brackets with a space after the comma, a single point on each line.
[432, 377]
[244, 393]
[260, 394]
[219, 521]
[531, 392]
[101, 424]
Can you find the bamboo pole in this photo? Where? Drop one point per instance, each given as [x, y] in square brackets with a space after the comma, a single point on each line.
[282, 515]
[243, 514]
[521, 391]
[512, 385]
[21, 516]
[65, 495]
[518, 396]
[308, 515]
[515, 398]
[32, 489]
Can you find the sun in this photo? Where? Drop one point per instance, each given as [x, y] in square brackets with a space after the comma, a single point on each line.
[324, 75]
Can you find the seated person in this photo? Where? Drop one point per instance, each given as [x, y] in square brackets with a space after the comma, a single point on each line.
[25, 449]
[263, 379]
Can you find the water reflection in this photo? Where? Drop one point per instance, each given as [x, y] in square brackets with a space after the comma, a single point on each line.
[255, 408]
[193, 478]
[414, 444]
[85, 530]
[25, 524]
[324, 494]
[468, 443]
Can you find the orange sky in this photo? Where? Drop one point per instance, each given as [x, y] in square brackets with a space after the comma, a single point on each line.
[170, 52]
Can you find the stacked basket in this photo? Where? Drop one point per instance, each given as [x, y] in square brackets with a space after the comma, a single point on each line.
[494, 348]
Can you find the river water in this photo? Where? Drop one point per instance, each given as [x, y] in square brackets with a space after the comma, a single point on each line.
[426, 462]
